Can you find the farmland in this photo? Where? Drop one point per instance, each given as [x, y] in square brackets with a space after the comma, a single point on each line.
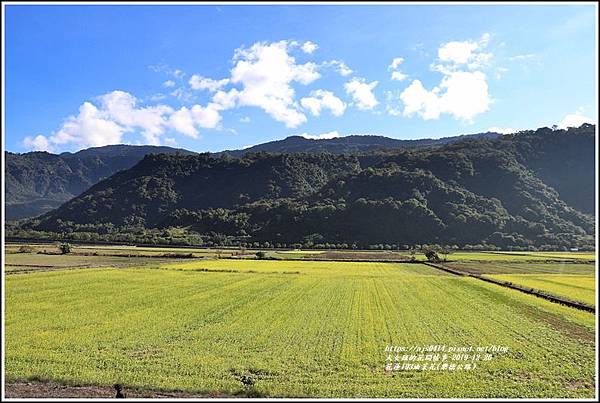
[576, 287]
[571, 280]
[44, 257]
[296, 328]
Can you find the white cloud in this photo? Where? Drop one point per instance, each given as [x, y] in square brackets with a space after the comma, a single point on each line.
[340, 67]
[396, 62]
[165, 68]
[177, 73]
[362, 93]
[198, 82]
[522, 57]
[120, 107]
[225, 100]
[182, 94]
[463, 91]
[575, 120]
[457, 52]
[418, 100]
[157, 97]
[398, 76]
[343, 69]
[461, 94]
[468, 54]
[309, 47]
[245, 119]
[324, 136]
[321, 99]
[502, 130]
[466, 94]
[263, 75]
[393, 111]
[183, 122]
[265, 71]
[90, 128]
[187, 121]
[118, 113]
[170, 141]
[206, 117]
[37, 143]
[396, 73]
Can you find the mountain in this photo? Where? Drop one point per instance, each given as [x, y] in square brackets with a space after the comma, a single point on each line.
[349, 144]
[38, 182]
[474, 191]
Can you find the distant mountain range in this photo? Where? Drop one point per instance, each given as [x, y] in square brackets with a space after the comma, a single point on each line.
[349, 144]
[37, 182]
[533, 188]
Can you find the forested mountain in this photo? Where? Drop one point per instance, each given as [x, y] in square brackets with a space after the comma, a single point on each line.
[529, 189]
[349, 144]
[37, 182]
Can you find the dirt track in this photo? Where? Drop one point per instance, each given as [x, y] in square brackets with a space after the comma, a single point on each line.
[31, 389]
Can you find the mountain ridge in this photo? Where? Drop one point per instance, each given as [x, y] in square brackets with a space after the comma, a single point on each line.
[411, 196]
[349, 144]
[39, 181]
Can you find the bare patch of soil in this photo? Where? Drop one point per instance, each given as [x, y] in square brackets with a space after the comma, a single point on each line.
[35, 389]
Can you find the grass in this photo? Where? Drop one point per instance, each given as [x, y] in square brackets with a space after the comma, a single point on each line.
[123, 250]
[554, 255]
[519, 256]
[461, 256]
[313, 268]
[575, 287]
[524, 268]
[22, 262]
[297, 328]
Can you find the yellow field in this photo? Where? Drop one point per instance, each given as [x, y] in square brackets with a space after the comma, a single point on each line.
[324, 268]
[575, 287]
[312, 329]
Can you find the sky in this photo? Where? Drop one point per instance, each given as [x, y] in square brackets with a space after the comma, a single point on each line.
[216, 77]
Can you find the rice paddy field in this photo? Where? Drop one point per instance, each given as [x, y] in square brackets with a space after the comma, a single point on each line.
[297, 328]
[571, 280]
[120, 250]
[576, 287]
[522, 256]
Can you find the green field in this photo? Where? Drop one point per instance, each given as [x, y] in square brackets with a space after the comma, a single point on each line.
[22, 262]
[586, 269]
[520, 256]
[580, 288]
[124, 250]
[574, 281]
[554, 255]
[297, 328]
[313, 268]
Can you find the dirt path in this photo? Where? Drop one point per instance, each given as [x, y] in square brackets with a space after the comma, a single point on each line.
[32, 389]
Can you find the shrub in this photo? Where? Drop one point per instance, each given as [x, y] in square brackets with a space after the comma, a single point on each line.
[432, 256]
[65, 248]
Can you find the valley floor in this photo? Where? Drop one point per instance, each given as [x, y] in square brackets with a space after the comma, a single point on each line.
[204, 326]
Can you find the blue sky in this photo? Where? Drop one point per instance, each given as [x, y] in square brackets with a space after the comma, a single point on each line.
[208, 78]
